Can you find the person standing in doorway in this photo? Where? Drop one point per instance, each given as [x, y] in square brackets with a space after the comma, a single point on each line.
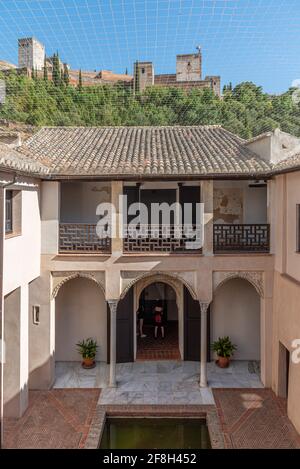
[141, 317]
[159, 320]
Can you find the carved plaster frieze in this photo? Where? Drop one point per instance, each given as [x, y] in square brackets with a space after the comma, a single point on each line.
[60, 278]
[254, 277]
[144, 279]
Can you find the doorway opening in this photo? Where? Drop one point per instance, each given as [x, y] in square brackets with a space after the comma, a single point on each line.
[284, 371]
[160, 348]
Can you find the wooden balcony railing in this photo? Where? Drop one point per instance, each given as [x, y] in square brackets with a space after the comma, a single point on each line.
[81, 238]
[162, 238]
[241, 238]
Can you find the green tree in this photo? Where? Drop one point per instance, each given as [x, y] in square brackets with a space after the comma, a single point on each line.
[245, 110]
[136, 78]
[45, 70]
[80, 81]
[66, 76]
[56, 78]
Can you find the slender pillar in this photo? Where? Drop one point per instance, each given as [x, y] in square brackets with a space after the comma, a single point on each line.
[117, 241]
[203, 351]
[113, 342]
[207, 197]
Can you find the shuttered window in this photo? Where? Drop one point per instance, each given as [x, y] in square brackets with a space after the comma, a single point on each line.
[8, 211]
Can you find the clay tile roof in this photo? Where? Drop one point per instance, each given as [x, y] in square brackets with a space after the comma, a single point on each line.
[12, 159]
[143, 151]
[291, 163]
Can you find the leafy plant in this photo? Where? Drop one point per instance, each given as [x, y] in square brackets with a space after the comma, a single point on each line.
[224, 347]
[87, 348]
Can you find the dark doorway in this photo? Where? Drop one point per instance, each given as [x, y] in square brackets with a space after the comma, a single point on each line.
[124, 329]
[149, 197]
[191, 327]
[167, 348]
[283, 371]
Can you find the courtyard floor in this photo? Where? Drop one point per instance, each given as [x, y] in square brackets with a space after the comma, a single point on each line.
[254, 418]
[157, 382]
[61, 418]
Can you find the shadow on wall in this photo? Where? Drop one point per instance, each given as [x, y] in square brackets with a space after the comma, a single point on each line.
[40, 378]
[17, 404]
[43, 376]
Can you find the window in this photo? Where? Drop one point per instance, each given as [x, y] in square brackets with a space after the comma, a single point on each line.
[298, 228]
[143, 70]
[8, 211]
[13, 213]
[36, 315]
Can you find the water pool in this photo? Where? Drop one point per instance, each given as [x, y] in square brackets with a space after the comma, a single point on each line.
[155, 433]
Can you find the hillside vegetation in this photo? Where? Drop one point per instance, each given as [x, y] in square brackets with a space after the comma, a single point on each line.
[245, 110]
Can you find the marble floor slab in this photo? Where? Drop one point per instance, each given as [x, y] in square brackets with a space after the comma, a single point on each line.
[161, 382]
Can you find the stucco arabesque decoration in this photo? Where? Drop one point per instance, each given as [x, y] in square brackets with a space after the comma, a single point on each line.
[146, 278]
[65, 277]
[255, 278]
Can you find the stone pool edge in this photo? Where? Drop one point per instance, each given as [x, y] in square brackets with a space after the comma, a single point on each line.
[208, 412]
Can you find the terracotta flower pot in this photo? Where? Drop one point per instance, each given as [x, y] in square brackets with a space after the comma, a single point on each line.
[88, 362]
[223, 362]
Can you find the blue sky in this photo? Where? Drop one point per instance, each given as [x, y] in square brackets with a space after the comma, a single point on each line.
[257, 40]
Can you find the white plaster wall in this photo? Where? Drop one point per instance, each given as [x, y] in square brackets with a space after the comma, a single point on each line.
[50, 209]
[262, 147]
[80, 312]
[292, 199]
[284, 201]
[79, 201]
[255, 204]
[24, 346]
[15, 381]
[22, 253]
[236, 313]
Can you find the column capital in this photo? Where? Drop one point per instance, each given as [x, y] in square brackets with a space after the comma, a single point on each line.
[113, 305]
[204, 305]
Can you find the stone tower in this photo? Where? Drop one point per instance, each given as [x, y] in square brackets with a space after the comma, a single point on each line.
[31, 53]
[143, 75]
[189, 67]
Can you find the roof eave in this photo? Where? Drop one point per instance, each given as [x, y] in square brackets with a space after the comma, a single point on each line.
[157, 177]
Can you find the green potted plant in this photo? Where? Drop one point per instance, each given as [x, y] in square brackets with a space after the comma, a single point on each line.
[224, 349]
[87, 349]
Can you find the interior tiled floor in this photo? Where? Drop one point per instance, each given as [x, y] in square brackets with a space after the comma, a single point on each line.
[149, 348]
[156, 382]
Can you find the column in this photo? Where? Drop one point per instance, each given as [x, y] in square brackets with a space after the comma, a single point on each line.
[207, 198]
[203, 350]
[117, 241]
[113, 342]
